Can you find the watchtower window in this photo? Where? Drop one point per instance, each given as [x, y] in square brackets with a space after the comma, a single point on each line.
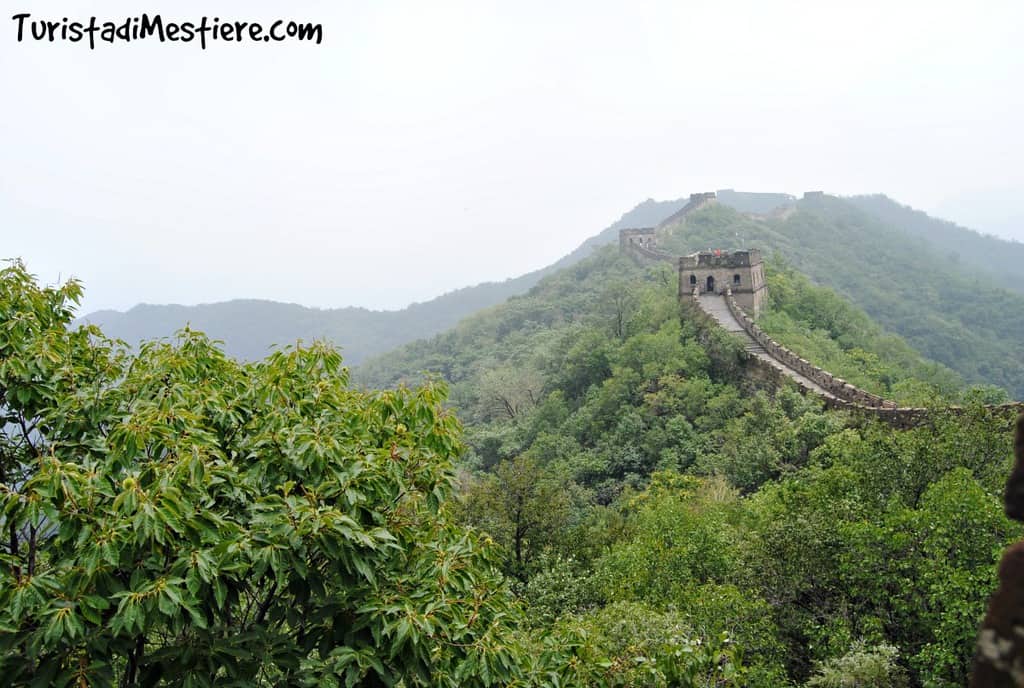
[736, 280]
[693, 280]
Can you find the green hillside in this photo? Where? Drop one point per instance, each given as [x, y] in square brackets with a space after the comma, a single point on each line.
[1000, 260]
[907, 283]
[649, 493]
[632, 504]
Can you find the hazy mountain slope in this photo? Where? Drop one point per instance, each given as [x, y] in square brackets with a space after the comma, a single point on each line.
[752, 202]
[249, 328]
[589, 399]
[950, 313]
[997, 258]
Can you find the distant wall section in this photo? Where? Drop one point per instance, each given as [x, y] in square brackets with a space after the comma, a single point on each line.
[696, 202]
[641, 244]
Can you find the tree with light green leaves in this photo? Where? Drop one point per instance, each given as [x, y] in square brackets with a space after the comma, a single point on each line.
[171, 517]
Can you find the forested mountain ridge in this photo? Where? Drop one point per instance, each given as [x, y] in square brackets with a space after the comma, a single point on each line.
[663, 516]
[249, 327]
[1000, 260]
[640, 480]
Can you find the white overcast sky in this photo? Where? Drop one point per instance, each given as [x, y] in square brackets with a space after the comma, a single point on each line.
[430, 145]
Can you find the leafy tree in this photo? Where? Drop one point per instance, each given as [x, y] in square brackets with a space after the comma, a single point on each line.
[511, 391]
[620, 303]
[861, 667]
[521, 506]
[631, 644]
[557, 588]
[680, 536]
[175, 518]
[810, 530]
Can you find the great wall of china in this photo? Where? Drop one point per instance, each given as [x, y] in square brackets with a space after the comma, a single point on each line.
[717, 306]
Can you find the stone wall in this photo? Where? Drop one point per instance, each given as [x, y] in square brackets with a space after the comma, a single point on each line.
[642, 244]
[741, 271]
[653, 254]
[696, 202]
[713, 260]
[838, 387]
[842, 395]
[643, 236]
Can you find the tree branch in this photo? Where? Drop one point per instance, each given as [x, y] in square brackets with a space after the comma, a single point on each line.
[265, 605]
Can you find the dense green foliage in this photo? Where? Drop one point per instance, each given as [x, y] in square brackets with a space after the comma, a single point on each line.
[998, 259]
[625, 461]
[176, 518]
[841, 338]
[631, 506]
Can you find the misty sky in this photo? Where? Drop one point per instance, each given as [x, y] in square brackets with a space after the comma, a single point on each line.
[430, 145]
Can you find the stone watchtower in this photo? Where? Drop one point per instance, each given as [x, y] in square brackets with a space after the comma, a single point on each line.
[642, 237]
[712, 271]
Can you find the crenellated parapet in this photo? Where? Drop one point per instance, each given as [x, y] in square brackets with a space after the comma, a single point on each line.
[716, 272]
[836, 392]
[836, 387]
[642, 242]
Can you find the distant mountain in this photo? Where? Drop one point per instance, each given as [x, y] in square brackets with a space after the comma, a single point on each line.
[593, 384]
[998, 259]
[249, 327]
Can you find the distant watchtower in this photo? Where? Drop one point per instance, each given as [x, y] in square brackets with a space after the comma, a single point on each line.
[642, 237]
[710, 272]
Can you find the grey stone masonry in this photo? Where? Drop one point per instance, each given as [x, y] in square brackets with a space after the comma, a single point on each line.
[715, 272]
[696, 202]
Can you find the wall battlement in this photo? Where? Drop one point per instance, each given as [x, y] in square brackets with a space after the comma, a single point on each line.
[721, 259]
[641, 236]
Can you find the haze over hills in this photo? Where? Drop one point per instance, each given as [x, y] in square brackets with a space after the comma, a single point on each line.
[887, 258]
[985, 254]
[250, 327]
